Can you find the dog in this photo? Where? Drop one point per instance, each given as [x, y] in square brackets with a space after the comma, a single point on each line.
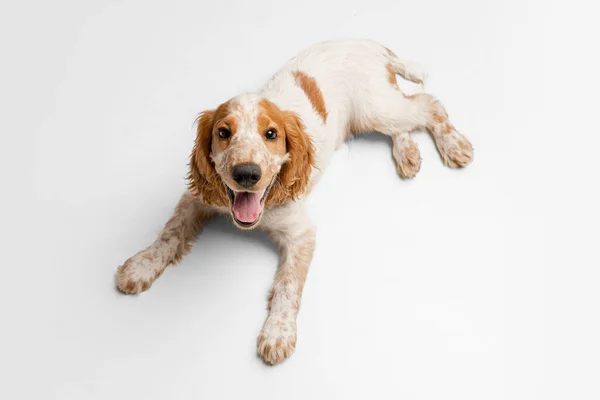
[257, 156]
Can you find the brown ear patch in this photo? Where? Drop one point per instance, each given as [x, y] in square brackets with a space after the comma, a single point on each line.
[203, 180]
[310, 87]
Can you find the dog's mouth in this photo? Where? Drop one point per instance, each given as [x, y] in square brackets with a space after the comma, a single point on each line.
[247, 207]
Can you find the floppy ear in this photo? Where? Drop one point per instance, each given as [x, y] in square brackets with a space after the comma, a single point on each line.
[204, 182]
[295, 173]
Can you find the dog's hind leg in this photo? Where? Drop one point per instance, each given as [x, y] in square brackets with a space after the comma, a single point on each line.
[384, 108]
[425, 111]
[384, 115]
[394, 114]
[406, 155]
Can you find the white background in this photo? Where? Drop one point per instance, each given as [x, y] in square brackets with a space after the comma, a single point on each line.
[473, 284]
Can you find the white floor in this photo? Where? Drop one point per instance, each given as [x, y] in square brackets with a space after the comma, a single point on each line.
[473, 284]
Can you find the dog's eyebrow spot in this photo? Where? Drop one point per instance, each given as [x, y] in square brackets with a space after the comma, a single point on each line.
[309, 85]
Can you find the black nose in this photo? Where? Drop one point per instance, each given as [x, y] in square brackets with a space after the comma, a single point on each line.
[246, 174]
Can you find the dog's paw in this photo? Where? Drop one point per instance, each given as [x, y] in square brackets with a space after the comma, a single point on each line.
[139, 272]
[455, 149]
[406, 156]
[277, 340]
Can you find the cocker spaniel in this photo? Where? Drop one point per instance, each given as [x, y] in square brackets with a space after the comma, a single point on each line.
[257, 156]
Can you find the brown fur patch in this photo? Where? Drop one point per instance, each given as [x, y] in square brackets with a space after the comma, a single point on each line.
[392, 76]
[464, 145]
[439, 118]
[204, 182]
[391, 53]
[310, 87]
[271, 117]
[447, 128]
[225, 121]
[295, 173]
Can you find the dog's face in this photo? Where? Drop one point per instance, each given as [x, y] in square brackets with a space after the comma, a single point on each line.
[248, 154]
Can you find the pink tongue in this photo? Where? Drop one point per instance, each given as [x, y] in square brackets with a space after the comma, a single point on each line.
[246, 206]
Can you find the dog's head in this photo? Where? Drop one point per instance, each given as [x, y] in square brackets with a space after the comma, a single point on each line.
[250, 154]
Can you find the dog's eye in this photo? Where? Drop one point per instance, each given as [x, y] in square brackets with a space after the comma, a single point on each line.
[271, 134]
[224, 133]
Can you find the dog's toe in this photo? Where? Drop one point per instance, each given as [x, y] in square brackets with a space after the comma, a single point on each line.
[406, 156]
[276, 341]
[138, 273]
[455, 149]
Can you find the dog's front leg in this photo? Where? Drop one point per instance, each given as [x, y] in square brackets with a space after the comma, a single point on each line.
[139, 272]
[291, 229]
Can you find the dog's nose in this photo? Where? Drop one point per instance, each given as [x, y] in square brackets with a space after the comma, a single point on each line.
[246, 175]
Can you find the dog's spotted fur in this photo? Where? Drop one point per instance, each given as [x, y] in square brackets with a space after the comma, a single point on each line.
[319, 98]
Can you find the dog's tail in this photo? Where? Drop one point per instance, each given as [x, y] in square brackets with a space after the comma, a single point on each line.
[409, 70]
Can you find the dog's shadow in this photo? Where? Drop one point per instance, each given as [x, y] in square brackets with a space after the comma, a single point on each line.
[376, 138]
[379, 140]
[221, 245]
[372, 138]
[222, 229]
